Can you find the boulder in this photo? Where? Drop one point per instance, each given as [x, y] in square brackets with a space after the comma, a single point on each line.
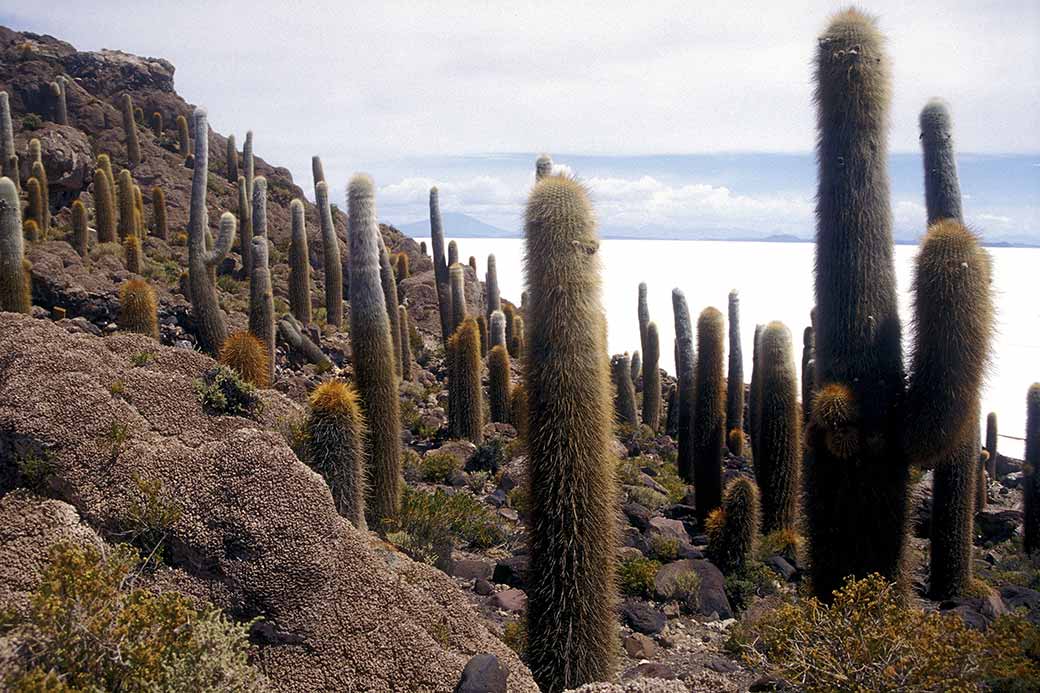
[639, 646]
[483, 674]
[642, 618]
[993, 526]
[511, 571]
[509, 600]
[712, 599]
[670, 529]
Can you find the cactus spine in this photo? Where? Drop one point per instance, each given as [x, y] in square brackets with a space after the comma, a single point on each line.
[261, 298]
[232, 160]
[373, 353]
[243, 353]
[465, 399]
[498, 329]
[651, 379]
[457, 279]
[330, 251]
[336, 446]
[440, 266]
[709, 413]
[406, 345]
[80, 232]
[735, 372]
[387, 279]
[133, 146]
[733, 528]
[209, 320]
[991, 445]
[624, 392]
[494, 299]
[299, 266]
[14, 281]
[778, 450]
[572, 632]
[183, 141]
[684, 368]
[498, 384]
[1031, 492]
[138, 308]
[104, 212]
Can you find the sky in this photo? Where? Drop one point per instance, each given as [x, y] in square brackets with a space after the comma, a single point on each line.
[684, 119]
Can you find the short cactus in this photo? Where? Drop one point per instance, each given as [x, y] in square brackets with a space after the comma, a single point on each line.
[299, 266]
[261, 298]
[465, 396]
[104, 209]
[336, 446]
[991, 445]
[518, 343]
[80, 231]
[330, 252]
[161, 227]
[157, 123]
[14, 280]
[133, 146]
[183, 142]
[733, 528]
[498, 330]
[373, 353]
[457, 280]
[31, 230]
[735, 441]
[138, 308]
[134, 254]
[709, 413]
[652, 380]
[402, 270]
[440, 267]
[624, 392]
[1031, 489]
[685, 372]
[387, 279]
[494, 299]
[407, 372]
[232, 160]
[243, 353]
[498, 384]
[735, 371]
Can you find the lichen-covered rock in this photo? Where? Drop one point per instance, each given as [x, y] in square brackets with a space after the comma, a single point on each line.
[258, 533]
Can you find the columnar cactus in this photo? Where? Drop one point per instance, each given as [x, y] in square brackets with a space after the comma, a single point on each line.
[330, 252]
[453, 253]
[542, 167]
[336, 446]
[652, 380]
[138, 308]
[249, 164]
[261, 298]
[243, 353]
[210, 328]
[231, 160]
[8, 154]
[35, 211]
[292, 334]
[127, 205]
[317, 170]
[387, 279]
[245, 224]
[494, 299]
[14, 279]
[991, 445]
[40, 174]
[134, 254]
[407, 372]
[518, 411]
[482, 324]
[133, 146]
[457, 280]
[685, 370]
[942, 189]
[440, 266]
[755, 388]
[510, 314]
[61, 111]
[157, 123]
[733, 528]
[104, 162]
[671, 424]
[778, 450]
[467, 405]
[637, 370]
[735, 372]
[709, 413]
[643, 313]
[572, 632]
[258, 214]
[982, 483]
[183, 141]
[1031, 490]
[104, 211]
[498, 384]
[80, 231]
[30, 229]
[161, 227]
[373, 353]
[401, 267]
[624, 392]
[517, 345]
[299, 266]
[808, 372]
[498, 329]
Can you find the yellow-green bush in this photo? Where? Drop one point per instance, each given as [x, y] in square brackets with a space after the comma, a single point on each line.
[88, 628]
[430, 521]
[869, 640]
[438, 466]
[664, 548]
[636, 577]
[514, 635]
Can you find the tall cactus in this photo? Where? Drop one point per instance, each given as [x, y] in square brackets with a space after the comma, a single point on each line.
[779, 447]
[407, 372]
[573, 631]
[808, 371]
[133, 145]
[684, 370]
[457, 280]
[104, 211]
[157, 123]
[652, 379]
[388, 280]
[245, 224]
[330, 252]
[231, 160]
[643, 313]
[991, 445]
[61, 109]
[8, 154]
[440, 266]
[127, 205]
[80, 232]
[735, 370]
[299, 266]
[35, 210]
[210, 327]
[466, 398]
[482, 324]
[183, 141]
[373, 353]
[317, 170]
[40, 174]
[14, 279]
[709, 413]
[261, 299]
[249, 164]
[494, 299]
[498, 384]
[1031, 491]
[624, 392]
[336, 446]
[755, 388]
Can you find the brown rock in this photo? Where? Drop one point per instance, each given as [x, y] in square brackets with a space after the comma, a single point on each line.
[639, 646]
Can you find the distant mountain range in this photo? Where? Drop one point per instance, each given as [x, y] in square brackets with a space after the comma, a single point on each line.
[458, 225]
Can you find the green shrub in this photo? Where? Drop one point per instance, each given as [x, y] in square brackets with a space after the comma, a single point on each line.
[89, 629]
[142, 358]
[664, 548]
[31, 121]
[221, 391]
[430, 522]
[646, 497]
[411, 465]
[489, 457]
[869, 640]
[518, 500]
[115, 438]
[744, 584]
[514, 635]
[150, 515]
[438, 466]
[636, 576]
[35, 471]
[629, 472]
[687, 590]
[668, 477]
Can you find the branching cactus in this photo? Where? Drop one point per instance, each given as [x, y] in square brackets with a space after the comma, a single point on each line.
[210, 328]
[779, 453]
[243, 353]
[330, 251]
[467, 405]
[1031, 491]
[407, 372]
[138, 308]
[261, 299]
[232, 160]
[498, 384]
[336, 446]
[299, 266]
[624, 392]
[498, 329]
[14, 280]
[709, 413]
[388, 280]
[733, 528]
[651, 379]
[735, 372]
[494, 299]
[80, 231]
[572, 623]
[133, 146]
[440, 266]
[684, 368]
[457, 280]
[373, 354]
[104, 211]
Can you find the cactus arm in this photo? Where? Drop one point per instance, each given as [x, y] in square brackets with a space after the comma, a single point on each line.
[224, 240]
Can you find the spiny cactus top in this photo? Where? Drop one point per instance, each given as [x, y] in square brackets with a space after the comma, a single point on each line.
[942, 190]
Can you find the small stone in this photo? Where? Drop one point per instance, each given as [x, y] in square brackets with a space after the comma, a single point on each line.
[671, 529]
[483, 674]
[649, 670]
[497, 499]
[509, 600]
[781, 567]
[509, 514]
[671, 610]
[483, 587]
[470, 568]
[642, 617]
[722, 665]
[628, 553]
[457, 478]
[639, 646]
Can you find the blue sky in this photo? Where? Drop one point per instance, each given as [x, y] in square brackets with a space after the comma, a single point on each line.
[645, 104]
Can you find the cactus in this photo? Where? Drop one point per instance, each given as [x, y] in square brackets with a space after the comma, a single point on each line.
[35, 151]
[498, 384]
[981, 484]
[261, 298]
[333, 266]
[133, 146]
[755, 389]
[292, 333]
[991, 445]
[941, 188]
[735, 441]
[778, 450]
[735, 372]
[402, 270]
[498, 329]
[542, 167]
[157, 123]
[510, 313]
[31, 230]
[573, 632]
[457, 279]
[36, 205]
[210, 328]
[440, 267]
[104, 214]
[709, 413]
[386, 278]
[245, 225]
[138, 309]
[643, 313]
[299, 266]
[517, 345]
[258, 212]
[652, 380]
[808, 372]
[249, 164]
[232, 160]
[518, 411]
[1031, 487]
[637, 370]
[373, 352]
[39, 173]
[422, 248]
[624, 392]
[8, 154]
[161, 228]
[139, 115]
[134, 254]
[406, 346]
[80, 231]
[684, 369]
[473, 263]
[61, 111]
[453, 253]
[733, 529]
[482, 324]
[335, 433]
[183, 142]
[494, 299]
[14, 279]
[465, 397]
[317, 170]
[243, 353]
[671, 423]
[127, 206]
